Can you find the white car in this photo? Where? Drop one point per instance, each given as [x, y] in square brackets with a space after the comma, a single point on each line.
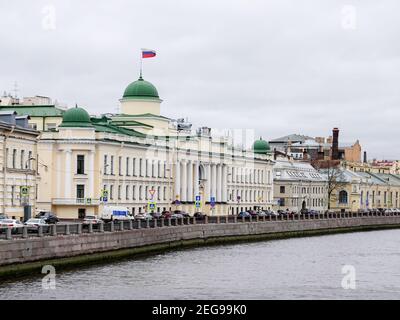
[34, 224]
[12, 224]
[144, 216]
[91, 220]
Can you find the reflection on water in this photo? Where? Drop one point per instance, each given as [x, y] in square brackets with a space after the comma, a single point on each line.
[301, 268]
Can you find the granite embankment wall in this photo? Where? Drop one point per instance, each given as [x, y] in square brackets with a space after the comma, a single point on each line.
[91, 247]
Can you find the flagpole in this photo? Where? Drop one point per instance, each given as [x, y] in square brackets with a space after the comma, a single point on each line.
[141, 63]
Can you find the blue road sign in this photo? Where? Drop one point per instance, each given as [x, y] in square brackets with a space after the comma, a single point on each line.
[212, 201]
[197, 204]
[198, 198]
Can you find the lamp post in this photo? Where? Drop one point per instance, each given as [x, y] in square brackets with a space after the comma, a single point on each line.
[27, 207]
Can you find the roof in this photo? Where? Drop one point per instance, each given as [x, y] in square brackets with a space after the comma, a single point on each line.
[76, 117]
[141, 89]
[292, 138]
[142, 115]
[36, 111]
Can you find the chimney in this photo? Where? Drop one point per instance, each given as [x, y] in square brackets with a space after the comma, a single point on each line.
[365, 156]
[335, 144]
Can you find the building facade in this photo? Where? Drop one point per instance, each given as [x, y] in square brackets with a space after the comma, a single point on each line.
[18, 163]
[140, 157]
[297, 186]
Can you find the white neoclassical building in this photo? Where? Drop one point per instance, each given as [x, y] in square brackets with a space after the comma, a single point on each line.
[141, 157]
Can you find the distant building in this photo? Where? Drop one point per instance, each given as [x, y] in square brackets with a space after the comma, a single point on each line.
[307, 148]
[44, 114]
[297, 186]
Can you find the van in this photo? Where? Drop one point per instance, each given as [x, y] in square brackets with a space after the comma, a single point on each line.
[114, 213]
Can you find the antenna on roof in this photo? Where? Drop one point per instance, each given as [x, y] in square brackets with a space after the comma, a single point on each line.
[15, 89]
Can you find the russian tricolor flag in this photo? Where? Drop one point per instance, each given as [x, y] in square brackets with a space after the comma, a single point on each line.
[148, 53]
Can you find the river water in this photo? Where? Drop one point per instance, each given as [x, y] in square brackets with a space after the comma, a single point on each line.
[299, 268]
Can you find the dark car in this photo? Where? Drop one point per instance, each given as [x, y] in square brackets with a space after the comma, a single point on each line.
[49, 217]
[199, 215]
[244, 214]
[252, 213]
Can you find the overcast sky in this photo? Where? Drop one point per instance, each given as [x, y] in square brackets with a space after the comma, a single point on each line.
[279, 67]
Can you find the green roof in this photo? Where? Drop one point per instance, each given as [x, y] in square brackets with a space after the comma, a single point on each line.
[76, 117]
[141, 89]
[35, 111]
[142, 115]
[261, 146]
[130, 123]
[104, 124]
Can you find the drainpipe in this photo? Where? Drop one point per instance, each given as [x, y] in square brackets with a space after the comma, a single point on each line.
[5, 161]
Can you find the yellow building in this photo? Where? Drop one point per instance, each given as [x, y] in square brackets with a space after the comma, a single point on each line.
[140, 156]
[18, 163]
[366, 190]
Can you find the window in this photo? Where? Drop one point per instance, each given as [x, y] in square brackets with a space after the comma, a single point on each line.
[282, 189]
[80, 191]
[140, 167]
[343, 197]
[120, 166]
[51, 126]
[127, 166]
[112, 165]
[22, 159]
[165, 193]
[134, 192]
[119, 192]
[14, 159]
[127, 192]
[282, 202]
[134, 167]
[111, 192]
[158, 193]
[80, 164]
[81, 213]
[105, 164]
[147, 168]
[140, 193]
[29, 166]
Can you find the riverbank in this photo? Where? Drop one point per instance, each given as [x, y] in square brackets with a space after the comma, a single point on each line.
[28, 256]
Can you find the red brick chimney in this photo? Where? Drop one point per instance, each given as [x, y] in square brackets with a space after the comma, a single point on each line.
[335, 144]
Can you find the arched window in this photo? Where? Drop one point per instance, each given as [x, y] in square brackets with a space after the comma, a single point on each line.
[343, 197]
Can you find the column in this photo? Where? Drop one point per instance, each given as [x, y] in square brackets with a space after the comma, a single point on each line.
[224, 183]
[59, 178]
[67, 177]
[190, 181]
[90, 167]
[207, 194]
[184, 181]
[219, 183]
[177, 181]
[213, 180]
[196, 178]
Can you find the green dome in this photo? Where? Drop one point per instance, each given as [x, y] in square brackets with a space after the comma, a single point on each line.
[76, 117]
[141, 89]
[261, 146]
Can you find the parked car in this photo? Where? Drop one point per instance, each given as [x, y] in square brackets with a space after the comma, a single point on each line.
[271, 213]
[252, 213]
[3, 216]
[199, 215]
[244, 214]
[14, 225]
[184, 214]
[34, 224]
[177, 216]
[91, 220]
[166, 214]
[261, 214]
[49, 217]
[144, 216]
[157, 215]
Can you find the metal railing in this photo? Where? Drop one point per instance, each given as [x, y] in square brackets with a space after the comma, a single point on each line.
[66, 229]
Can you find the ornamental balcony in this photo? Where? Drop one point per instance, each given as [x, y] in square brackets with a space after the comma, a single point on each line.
[76, 201]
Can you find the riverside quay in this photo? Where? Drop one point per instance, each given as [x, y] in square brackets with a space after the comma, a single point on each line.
[77, 243]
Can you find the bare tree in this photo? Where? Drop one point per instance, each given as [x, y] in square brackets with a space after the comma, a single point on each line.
[333, 173]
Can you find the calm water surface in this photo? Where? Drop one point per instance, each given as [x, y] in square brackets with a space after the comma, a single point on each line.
[302, 268]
